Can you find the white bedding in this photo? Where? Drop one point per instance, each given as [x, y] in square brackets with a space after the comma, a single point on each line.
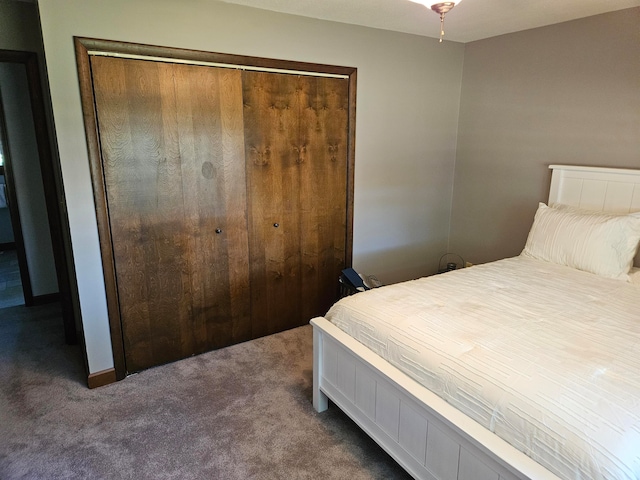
[545, 356]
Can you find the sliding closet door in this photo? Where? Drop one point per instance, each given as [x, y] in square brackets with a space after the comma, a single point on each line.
[171, 138]
[296, 130]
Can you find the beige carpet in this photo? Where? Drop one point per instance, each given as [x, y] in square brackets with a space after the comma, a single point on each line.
[243, 412]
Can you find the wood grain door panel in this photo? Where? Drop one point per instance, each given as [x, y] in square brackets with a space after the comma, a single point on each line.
[172, 147]
[224, 196]
[271, 127]
[296, 130]
[324, 130]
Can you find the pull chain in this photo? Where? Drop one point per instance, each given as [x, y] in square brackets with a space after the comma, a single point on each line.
[441, 26]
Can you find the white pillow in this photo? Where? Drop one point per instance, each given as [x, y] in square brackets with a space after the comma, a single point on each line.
[596, 242]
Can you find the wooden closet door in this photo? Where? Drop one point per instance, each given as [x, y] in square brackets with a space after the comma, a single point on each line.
[296, 131]
[171, 138]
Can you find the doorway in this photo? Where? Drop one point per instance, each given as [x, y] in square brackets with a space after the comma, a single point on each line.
[15, 284]
[32, 191]
[10, 282]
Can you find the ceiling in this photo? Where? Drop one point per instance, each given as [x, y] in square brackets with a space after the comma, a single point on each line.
[469, 21]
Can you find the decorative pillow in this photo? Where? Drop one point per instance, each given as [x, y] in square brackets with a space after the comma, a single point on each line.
[596, 242]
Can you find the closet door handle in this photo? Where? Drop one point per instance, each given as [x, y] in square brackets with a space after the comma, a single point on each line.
[218, 230]
[276, 225]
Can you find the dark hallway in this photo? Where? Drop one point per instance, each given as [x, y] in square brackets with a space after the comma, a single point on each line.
[10, 286]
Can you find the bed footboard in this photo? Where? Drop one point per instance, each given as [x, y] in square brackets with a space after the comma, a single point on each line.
[428, 437]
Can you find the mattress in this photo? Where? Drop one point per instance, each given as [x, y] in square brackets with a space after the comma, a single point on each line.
[545, 356]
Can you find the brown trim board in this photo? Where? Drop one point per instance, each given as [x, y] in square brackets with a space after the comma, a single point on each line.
[101, 378]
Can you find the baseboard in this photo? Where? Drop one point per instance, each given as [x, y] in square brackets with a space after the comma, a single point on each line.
[44, 299]
[104, 377]
[7, 246]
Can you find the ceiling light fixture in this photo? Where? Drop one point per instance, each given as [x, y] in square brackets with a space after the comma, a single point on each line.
[440, 8]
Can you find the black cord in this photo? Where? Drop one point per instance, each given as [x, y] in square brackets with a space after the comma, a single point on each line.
[448, 266]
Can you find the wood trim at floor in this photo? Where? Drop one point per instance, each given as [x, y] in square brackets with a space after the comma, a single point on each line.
[47, 298]
[101, 378]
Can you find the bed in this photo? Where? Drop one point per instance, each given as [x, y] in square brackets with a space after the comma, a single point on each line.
[523, 368]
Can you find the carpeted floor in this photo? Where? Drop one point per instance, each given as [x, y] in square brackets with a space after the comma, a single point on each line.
[243, 412]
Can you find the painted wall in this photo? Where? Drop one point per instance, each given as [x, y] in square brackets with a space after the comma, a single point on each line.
[19, 30]
[563, 94]
[407, 115]
[19, 27]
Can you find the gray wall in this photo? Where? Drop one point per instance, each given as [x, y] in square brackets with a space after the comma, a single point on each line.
[563, 94]
[407, 116]
[19, 30]
[19, 27]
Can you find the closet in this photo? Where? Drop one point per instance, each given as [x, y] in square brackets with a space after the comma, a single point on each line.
[224, 194]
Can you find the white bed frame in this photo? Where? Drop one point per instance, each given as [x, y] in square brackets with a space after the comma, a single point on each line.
[428, 437]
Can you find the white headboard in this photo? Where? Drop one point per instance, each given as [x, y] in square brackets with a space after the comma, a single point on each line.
[615, 190]
[595, 188]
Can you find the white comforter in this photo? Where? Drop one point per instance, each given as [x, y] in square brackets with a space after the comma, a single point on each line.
[545, 356]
